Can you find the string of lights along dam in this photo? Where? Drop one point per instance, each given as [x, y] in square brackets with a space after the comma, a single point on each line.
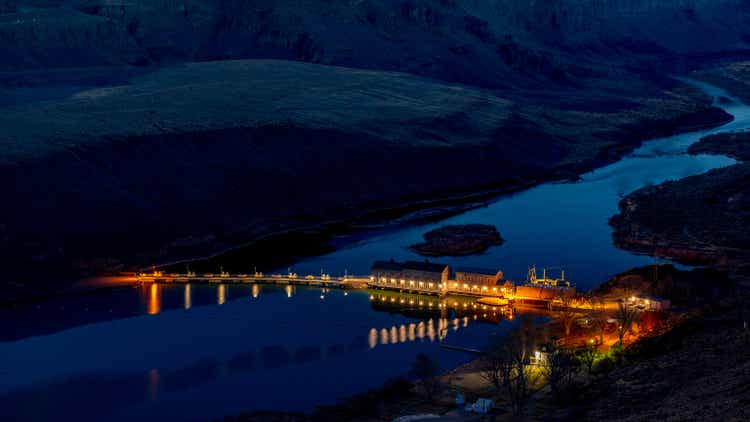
[423, 277]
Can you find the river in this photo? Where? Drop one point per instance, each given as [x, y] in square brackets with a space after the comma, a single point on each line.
[205, 351]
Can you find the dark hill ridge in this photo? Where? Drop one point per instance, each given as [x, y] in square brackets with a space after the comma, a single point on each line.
[495, 43]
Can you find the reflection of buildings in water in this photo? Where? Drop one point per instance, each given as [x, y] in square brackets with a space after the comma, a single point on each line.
[439, 316]
[412, 332]
[417, 306]
[188, 296]
[222, 294]
[426, 307]
[154, 299]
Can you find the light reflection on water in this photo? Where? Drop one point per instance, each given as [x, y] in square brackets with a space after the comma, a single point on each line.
[193, 341]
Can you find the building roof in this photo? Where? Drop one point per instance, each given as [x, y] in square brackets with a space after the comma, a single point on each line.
[472, 270]
[424, 266]
[387, 265]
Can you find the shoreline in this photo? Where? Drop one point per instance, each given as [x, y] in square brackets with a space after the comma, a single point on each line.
[385, 218]
[316, 237]
[394, 217]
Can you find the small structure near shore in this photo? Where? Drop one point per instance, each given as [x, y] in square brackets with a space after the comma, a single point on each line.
[432, 278]
[458, 240]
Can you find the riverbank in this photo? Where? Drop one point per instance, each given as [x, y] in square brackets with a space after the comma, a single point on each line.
[699, 220]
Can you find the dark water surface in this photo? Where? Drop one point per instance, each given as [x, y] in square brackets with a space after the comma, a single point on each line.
[204, 351]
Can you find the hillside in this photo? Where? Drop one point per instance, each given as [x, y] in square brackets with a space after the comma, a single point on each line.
[697, 371]
[196, 158]
[506, 44]
[131, 136]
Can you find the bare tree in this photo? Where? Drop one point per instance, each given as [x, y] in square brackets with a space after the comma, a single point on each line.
[506, 365]
[626, 316]
[566, 313]
[428, 372]
[559, 369]
[496, 363]
[587, 356]
[598, 317]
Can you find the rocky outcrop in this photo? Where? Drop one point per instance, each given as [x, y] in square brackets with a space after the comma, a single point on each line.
[701, 219]
[458, 240]
[59, 38]
[683, 288]
[732, 144]
[734, 78]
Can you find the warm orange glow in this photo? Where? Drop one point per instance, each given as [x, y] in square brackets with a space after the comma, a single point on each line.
[221, 294]
[154, 299]
[372, 338]
[383, 336]
[188, 296]
[430, 330]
